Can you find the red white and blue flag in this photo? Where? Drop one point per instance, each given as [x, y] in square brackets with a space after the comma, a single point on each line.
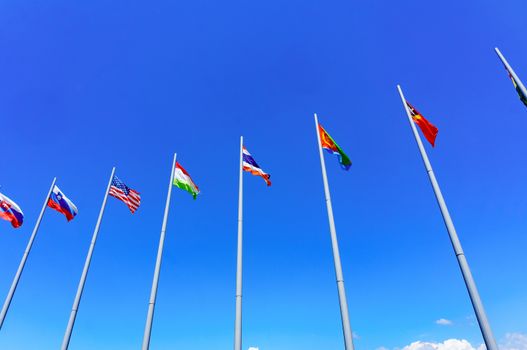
[10, 211]
[124, 193]
[58, 201]
[250, 165]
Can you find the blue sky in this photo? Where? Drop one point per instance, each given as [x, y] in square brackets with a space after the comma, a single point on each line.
[89, 85]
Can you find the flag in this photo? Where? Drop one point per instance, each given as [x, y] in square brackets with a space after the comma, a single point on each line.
[523, 98]
[183, 180]
[62, 204]
[427, 128]
[122, 192]
[250, 165]
[10, 211]
[331, 146]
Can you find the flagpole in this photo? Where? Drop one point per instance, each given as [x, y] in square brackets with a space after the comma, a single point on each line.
[511, 71]
[155, 282]
[238, 321]
[344, 313]
[7, 302]
[80, 288]
[484, 325]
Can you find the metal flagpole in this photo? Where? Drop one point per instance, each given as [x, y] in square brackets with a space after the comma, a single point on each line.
[484, 325]
[155, 282]
[76, 302]
[24, 258]
[344, 314]
[238, 321]
[511, 71]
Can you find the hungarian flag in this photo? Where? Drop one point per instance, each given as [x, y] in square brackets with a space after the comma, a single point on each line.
[62, 204]
[331, 146]
[183, 180]
[428, 129]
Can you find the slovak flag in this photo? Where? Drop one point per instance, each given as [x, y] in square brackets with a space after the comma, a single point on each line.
[10, 211]
[62, 204]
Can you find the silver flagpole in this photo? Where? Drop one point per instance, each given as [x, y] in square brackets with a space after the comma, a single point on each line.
[344, 314]
[511, 71]
[238, 321]
[484, 325]
[24, 258]
[155, 282]
[76, 302]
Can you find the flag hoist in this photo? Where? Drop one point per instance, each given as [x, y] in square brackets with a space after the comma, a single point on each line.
[247, 163]
[116, 188]
[180, 178]
[325, 141]
[416, 118]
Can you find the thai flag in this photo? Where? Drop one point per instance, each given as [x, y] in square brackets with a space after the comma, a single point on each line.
[250, 165]
[62, 204]
[10, 211]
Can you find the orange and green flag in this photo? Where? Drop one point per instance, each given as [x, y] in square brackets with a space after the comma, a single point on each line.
[428, 129]
[331, 146]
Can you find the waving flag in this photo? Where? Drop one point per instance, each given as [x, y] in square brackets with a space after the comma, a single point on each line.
[62, 204]
[250, 165]
[427, 128]
[183, 180]
[10, 211]
[331, 146]
[124, 193]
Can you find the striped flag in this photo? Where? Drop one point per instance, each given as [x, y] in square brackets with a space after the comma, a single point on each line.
[250, 165]
[124, 193]
[10, 211]
[183, 180]
[58, 201]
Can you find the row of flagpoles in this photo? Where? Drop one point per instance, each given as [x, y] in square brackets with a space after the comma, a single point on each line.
[179, 177]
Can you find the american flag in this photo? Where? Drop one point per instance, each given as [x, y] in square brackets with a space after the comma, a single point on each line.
[124, 193]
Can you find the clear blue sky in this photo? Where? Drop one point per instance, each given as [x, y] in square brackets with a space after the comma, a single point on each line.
[88, 85]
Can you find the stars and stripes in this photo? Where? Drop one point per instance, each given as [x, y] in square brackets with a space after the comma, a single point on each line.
[250, 165]
[124, 193]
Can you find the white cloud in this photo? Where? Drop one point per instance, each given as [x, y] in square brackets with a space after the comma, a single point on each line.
[444, 322]
[511, 341]
[514, 341]
[253, 348]
[449, 344]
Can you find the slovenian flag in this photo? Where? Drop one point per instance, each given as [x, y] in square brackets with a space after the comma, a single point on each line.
[250, 165]
[62, 204]
[10, 211]
[331, 146]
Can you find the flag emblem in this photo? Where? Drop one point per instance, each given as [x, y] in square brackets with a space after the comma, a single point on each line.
[183, 180]
[62, 204]
[124, 193]
[427, 128]
[10, 211]
[331, 146]
[250, 165]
